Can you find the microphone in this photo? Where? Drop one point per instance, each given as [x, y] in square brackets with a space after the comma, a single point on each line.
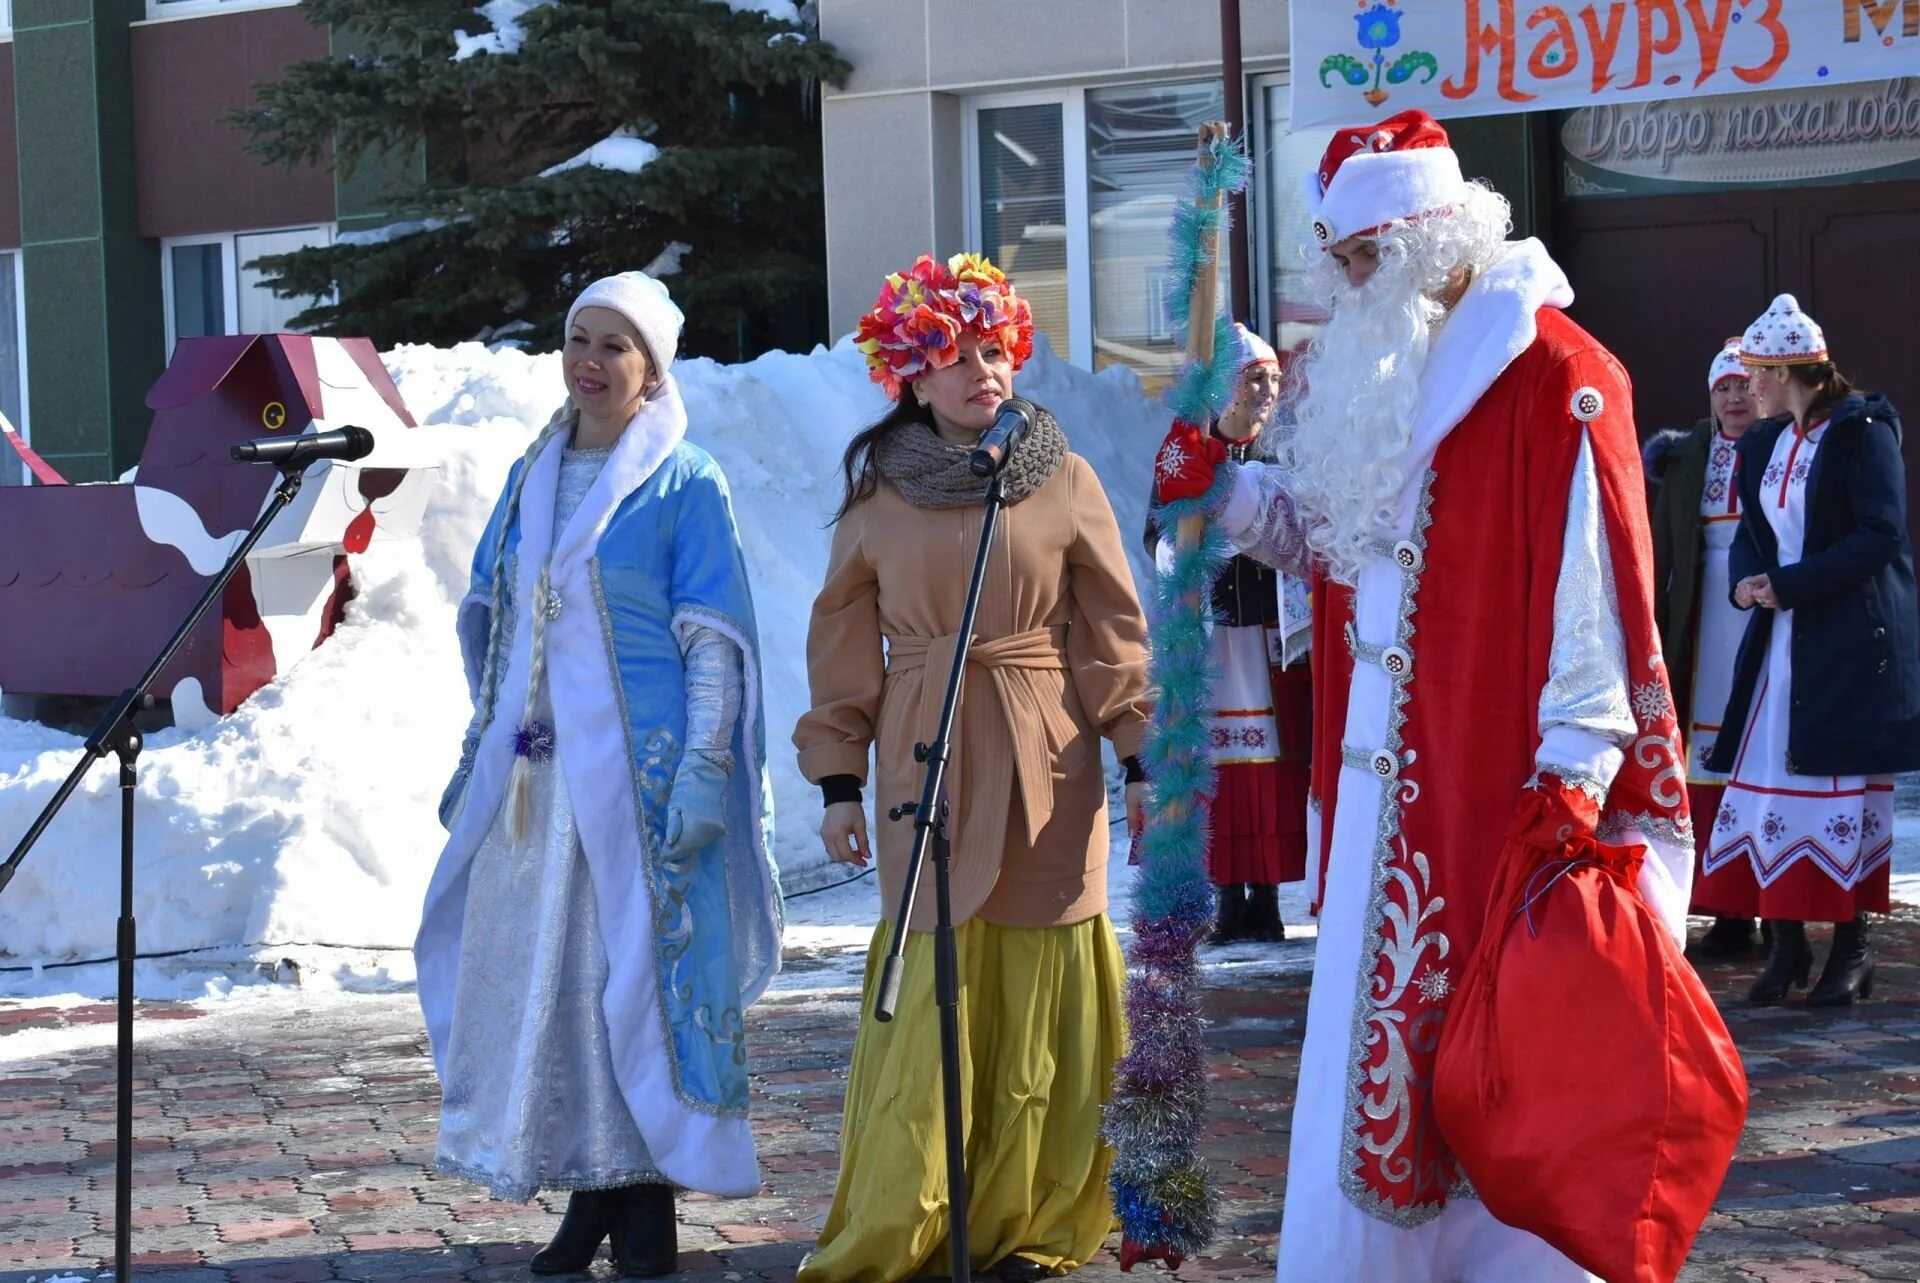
[289, 452]
[997, 444]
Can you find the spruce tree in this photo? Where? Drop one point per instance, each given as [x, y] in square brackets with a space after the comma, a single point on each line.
[490, 237]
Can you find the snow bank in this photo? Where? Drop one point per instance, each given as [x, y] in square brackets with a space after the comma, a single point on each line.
[308, 815]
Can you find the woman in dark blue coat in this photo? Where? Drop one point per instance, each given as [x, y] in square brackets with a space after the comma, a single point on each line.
[1826, 693]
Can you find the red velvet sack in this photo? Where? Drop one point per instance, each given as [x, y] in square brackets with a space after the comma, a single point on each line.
[1584, 1079]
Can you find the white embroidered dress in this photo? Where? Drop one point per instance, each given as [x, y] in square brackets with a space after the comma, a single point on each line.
[1717, 639]
[530, 1100]
[1772, 816]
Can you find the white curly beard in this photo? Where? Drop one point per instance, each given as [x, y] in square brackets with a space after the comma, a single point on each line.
[1361, 376]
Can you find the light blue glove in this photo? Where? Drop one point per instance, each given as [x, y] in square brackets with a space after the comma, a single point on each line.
[696, 809]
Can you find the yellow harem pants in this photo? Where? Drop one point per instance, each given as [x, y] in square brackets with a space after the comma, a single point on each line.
[1040, 1029]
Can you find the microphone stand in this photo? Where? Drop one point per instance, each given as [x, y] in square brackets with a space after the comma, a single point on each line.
[930, 830]
[118, 735]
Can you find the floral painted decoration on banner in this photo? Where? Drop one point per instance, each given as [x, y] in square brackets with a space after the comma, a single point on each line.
[1379, 31]
[916, 323]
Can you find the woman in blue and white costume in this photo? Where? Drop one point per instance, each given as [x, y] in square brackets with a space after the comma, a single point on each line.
[606, 906]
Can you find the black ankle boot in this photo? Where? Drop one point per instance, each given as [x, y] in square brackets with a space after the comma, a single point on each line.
[646, 1239]
[581, 1231]
[1230, 924]
[1849, 970]
[1788, 963]
[1726, 938]
[1263, 913]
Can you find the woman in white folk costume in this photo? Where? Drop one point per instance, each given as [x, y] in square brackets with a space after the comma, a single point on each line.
[1825, 699]
[1696, 511]
[606, 907]
[1262, 633]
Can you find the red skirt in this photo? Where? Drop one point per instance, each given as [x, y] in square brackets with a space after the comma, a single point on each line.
[1733, 885]
[1257, 824]
[1802, 894]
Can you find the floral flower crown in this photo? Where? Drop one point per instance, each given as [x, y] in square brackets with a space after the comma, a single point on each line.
[916, 323]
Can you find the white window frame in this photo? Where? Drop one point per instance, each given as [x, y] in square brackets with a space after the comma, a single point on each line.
[25, 426]
[1259, 213]
[169, 10]
[1073, 126]
[229, 243]
[229, 279]
[6, 33]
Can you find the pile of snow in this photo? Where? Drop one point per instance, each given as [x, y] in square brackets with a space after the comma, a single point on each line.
[622, 150]
[506, 36]
[307, 816]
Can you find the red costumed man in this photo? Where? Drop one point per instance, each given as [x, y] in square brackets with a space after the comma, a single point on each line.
[1466, 493]
[1260, 729]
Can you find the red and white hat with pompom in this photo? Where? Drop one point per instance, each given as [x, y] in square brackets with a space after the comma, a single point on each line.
[1784, 335]
[1370, 176]
[1726, 365]
[1254, 350]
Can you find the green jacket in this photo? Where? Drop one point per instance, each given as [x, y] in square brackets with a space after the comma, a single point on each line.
[1676, 466]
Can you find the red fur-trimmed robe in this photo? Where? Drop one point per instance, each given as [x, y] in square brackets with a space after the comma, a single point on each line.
[1466, 626]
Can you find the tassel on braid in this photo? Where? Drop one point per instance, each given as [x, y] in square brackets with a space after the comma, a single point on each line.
[533, 742]
[492, 670]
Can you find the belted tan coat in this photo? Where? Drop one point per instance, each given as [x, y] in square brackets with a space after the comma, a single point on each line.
[1059, 660]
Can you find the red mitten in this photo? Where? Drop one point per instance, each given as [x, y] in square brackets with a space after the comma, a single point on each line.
[1553, 813]
[1186, 463]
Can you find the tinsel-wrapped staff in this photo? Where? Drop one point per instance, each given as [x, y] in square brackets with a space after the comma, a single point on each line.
[1160, 1188]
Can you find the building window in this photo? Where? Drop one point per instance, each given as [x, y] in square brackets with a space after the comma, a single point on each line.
[1073, 191]
[6, 17]
[1023, 207]
[1140, 149]
[1288, 314]
[13, 364]
[212, 287]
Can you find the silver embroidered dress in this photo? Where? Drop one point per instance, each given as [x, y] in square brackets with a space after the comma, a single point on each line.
[529, 1098]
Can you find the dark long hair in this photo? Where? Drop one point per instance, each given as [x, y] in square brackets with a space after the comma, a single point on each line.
[858, 466]
[1830, 387]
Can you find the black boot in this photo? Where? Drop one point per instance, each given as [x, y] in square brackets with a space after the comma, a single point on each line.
[1263, 913]
[1788, 963]
[1230, 924]
[1726, 938]
[1849, 970]
[581, 1231]
[646, 1239]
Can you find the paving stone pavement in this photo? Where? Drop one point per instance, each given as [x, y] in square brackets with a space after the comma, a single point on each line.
[294, 1144]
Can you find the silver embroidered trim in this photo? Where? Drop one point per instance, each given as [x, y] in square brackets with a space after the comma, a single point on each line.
[479, 1175]
[661, 980]
[1397, 660]
[1277, 537]
[1617, 825]
[1573, 777]
[1587, 679]
[1410, 556]
[1383, 764]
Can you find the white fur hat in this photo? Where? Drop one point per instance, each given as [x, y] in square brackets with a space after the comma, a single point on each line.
[644, 302]
[1373, 175]
[1784, 335]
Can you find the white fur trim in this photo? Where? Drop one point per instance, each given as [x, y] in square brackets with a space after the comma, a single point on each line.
[1374, 188]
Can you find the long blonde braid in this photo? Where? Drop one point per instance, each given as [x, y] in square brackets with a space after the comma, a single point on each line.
[491, 673]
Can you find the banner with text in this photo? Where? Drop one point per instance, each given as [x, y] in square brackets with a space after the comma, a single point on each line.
[1356, 63]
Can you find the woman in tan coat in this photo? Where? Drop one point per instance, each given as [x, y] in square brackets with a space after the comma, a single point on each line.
[1058, 661]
